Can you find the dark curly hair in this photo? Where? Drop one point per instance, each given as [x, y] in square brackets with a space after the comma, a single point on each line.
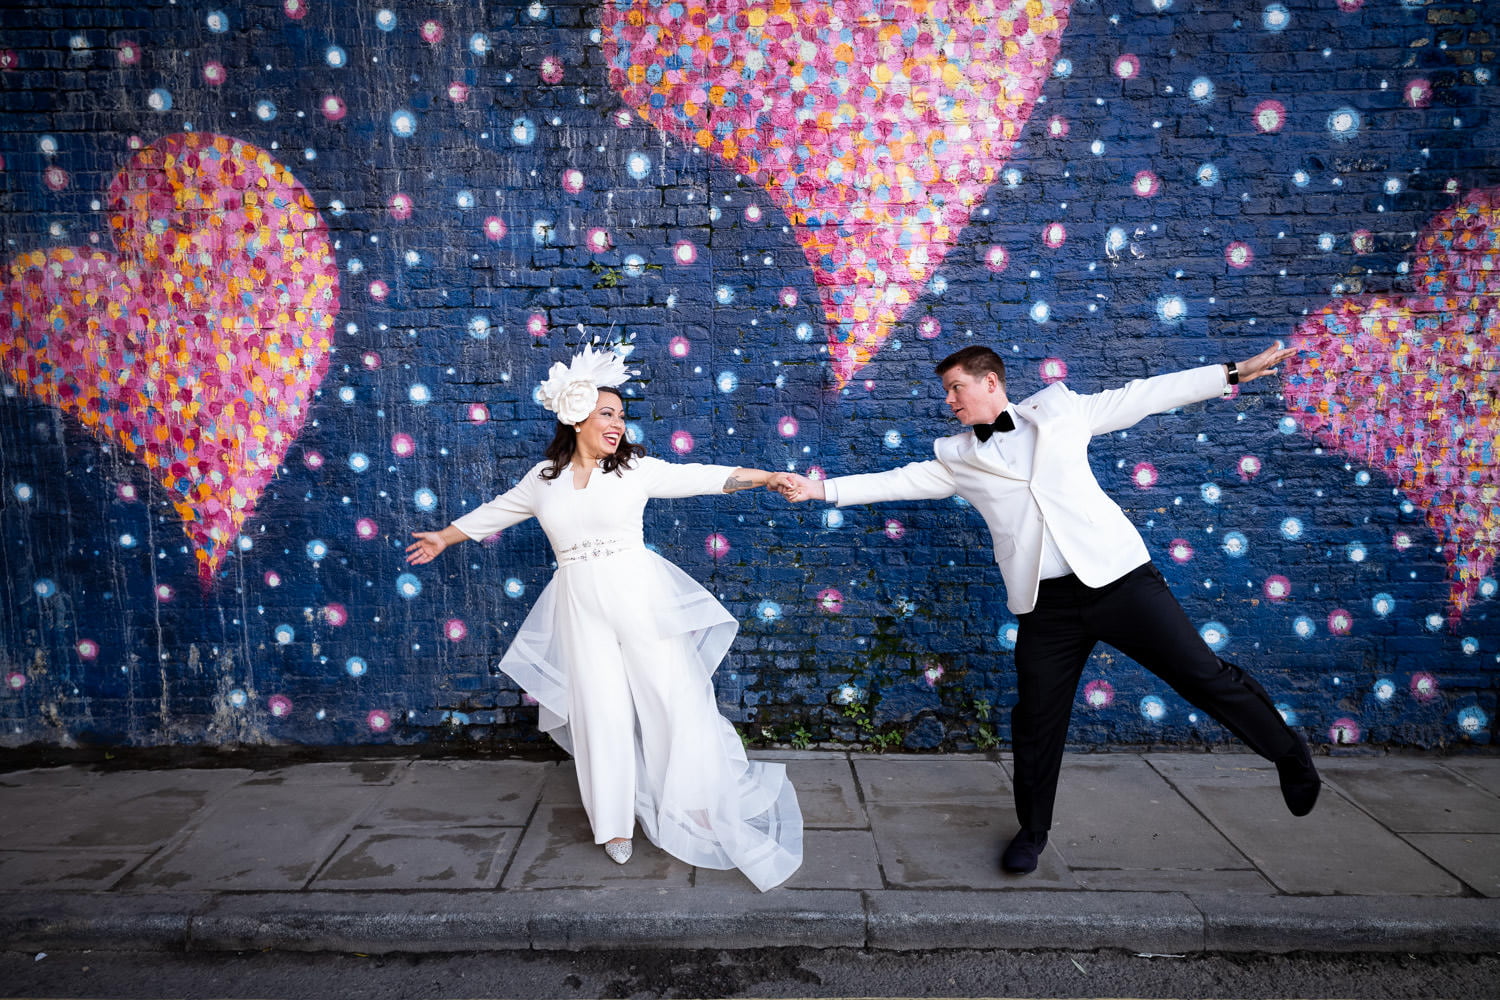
[565, 442]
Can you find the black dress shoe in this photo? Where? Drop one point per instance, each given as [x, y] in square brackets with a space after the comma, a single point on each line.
[1020, 855]
[1299, 779]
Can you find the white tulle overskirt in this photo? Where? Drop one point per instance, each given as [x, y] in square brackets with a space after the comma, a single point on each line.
[619, 653]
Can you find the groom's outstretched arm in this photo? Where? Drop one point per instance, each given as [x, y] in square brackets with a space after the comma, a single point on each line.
[918, 481]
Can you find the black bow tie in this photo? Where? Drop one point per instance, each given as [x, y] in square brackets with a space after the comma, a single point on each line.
[1002, 424]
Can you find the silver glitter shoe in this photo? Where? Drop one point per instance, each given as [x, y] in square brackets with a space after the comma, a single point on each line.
[619, 853]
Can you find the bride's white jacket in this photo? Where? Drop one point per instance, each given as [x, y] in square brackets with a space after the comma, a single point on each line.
[1089, 528]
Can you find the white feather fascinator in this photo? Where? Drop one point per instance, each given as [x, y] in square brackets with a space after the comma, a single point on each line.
[571, 391]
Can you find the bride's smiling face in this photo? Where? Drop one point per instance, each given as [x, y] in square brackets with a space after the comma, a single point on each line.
[602, 432]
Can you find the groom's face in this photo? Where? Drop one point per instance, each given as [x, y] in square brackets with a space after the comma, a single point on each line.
[974, 399]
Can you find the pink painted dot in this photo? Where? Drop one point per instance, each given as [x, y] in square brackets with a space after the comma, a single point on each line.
[536, 324]
[335, 614]
[1277, 588]
[214, 74]
[1401, 540]
[135, 142]
[1424, 687]
[894, 529]
[1344, 731]
[126, 492]
[716, 546]
[455, 629]
[129, 53]
[458, 92]
[378, 720]
[367, 529]
[572, 180]
[752, 213]
[1350, 6]
[1269, 116]
[164, 593]
[280, 705]
[313, 459]
[1239, 255]
[431, 32]
[869, 385]
[1146, 184]
[55, 178]
[1249, 467]
[15, 680]
[400, 206]
[379, 291]
[788, 297]
[1364, 241]
[1055, 235]
[1144, 475]
[527, 699]
[403, 445]
[685, 252]
[932, 672]
[494, 228]
[622, 119]
[679, 347]
[787, 427]
[598, 240]
[1053, 370]
[295, 9]
[272, 578]
[996, 259]
[478, 413]
[552, 70]
[1180, 550]
[88, 649]
[816, 472]
[682, 442]
[1098, 694]
[1418, 93]
[371, 360]
[928, 327]
[1057, 126]
[1340, 621]
[830, 601]
[333, 107]
[1127, 66]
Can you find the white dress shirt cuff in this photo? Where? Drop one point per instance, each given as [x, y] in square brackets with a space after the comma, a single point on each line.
[831, 491]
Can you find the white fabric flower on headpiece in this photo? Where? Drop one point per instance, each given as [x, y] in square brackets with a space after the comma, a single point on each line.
[572, 390]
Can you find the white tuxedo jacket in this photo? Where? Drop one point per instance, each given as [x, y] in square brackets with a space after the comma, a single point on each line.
[1090, 530]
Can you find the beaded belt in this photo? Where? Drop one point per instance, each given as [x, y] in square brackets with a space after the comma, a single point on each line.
[597, 548]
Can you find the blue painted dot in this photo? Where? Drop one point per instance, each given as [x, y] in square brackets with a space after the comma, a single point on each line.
[44, 587]
[285, 634]
[1007, 634]
[403, 124]
[514, 587]
[768, 611]
[317, 550]
[1153, 708]
[356, 666]
[408, 586]
[424, 499]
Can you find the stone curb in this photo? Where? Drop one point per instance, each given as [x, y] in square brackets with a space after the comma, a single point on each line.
[591, 920]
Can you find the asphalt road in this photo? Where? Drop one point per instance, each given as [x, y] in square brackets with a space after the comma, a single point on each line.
[781, 973]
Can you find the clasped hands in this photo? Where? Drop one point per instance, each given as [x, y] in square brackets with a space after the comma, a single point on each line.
[795, 488]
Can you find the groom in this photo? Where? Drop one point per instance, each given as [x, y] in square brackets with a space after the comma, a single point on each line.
[1076, 570]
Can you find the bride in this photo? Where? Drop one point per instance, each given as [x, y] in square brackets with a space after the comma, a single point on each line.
[620, 649]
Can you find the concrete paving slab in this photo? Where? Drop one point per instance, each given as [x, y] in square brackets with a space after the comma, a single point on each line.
[35, 921]
[463, 793]
[700, 918]
[353, 772]
[929, 846]
[366, 922]
[1415, 796]
[259, 837]
[65, 871]
[129, 809]
[419, 858]
[1338, 849]
[558, 852]
[1483, 771]
[826, 791]
[1159, 923]
[1275, 924]
[48, 777]
[831, 859]
[1473, 857]
[1249, 882]
[890, 780]
[560, 785]
[1118, 812]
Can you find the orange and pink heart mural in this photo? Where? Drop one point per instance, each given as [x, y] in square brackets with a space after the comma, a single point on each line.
[197, 343]
[877, 127]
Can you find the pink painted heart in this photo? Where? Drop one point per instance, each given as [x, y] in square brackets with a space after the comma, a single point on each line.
[198, 344]
[876, 126]
[1408, 384]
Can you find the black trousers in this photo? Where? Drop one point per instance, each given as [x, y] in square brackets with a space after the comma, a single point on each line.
[1137, 615]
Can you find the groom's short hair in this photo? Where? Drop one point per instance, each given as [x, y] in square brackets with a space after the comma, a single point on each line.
[975, 360]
